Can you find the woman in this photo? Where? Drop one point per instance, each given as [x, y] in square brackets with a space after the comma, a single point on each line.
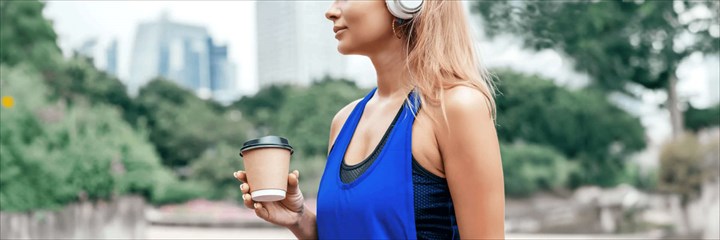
[418, 157]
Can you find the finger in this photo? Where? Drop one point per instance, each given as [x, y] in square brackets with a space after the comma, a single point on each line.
[261, 211]
[247, 201]
[241, 176]
[293, 182]
[245, 188]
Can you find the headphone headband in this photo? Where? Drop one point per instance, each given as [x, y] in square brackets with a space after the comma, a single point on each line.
[404, 9]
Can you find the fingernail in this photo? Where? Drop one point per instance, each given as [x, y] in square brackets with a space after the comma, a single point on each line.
[242, 186]
[235, 174]
[257, 205]
[243, 197]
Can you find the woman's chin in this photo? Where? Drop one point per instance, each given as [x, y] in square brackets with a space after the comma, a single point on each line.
[343, 50]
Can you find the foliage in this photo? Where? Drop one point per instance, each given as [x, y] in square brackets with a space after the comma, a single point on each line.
[615, 42]
[306, 115]
[77, 78]
[182, 126]
[530, 168]
[622, 45]
[214, 168]
[697, 119]
[65, 139]
[302, 114]
[26, 36]
[28, 175]
[582, 125]
[53, 154]
[262, 107]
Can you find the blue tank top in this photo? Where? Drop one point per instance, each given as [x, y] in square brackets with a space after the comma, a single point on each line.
[393, 197]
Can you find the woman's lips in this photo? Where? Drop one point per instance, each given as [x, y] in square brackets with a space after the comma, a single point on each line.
[339, 32]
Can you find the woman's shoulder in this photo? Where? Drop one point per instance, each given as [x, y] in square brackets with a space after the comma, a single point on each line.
[341, 116]
[460, 101]
[465, 98]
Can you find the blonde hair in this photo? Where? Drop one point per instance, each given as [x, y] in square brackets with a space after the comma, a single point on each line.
[441, 54]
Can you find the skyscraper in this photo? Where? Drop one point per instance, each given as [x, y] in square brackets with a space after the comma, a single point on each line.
[179, 52]
[295, 43]
[222, 72]
[111, 57]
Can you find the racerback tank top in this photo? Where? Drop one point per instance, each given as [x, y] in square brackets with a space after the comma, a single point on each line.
[382, 198]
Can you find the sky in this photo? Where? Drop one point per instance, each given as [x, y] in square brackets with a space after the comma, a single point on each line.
[233, 23]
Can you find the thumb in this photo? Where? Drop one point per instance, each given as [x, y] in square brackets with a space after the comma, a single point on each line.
[294, 182]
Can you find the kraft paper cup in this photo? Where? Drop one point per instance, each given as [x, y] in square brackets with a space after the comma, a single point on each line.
[267, 163]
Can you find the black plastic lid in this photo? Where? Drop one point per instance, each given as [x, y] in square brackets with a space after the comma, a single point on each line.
[267, 141]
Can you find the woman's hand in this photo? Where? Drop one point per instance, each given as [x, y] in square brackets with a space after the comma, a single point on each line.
[286, 212]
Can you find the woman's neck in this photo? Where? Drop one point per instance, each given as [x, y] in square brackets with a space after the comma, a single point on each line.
[390, 68]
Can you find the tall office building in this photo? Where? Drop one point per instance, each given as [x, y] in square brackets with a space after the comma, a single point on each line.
[222, 74]
[182, 53]
[111, 58]
[295, 43]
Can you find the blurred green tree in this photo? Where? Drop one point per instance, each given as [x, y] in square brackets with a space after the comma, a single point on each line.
[64, 140]
[213, 169]
[260, 108]
[305, 117]
[26, 35]
[78, 78]
[620, 44]
[52, 153]
[182, 126]
[697, 119]
[530, 168]
[28, 179]
[302, 114]
[582, 125]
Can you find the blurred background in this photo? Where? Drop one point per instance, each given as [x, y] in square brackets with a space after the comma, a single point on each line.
[123, 119]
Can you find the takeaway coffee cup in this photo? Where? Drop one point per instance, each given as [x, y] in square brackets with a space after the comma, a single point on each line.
[267, 162]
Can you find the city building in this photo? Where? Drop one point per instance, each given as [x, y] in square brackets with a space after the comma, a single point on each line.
[222, 74]
[184, 54]
[111, 58]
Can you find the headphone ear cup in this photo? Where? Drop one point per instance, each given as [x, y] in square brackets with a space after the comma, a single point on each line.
[404, 9]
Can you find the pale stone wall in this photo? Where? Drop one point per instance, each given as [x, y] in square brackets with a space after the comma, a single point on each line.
[122, 218]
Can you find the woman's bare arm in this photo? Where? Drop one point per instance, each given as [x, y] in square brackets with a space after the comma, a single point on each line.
[473, 167]
[306, 228]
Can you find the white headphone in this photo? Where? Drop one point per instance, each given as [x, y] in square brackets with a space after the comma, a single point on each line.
[404, 9]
